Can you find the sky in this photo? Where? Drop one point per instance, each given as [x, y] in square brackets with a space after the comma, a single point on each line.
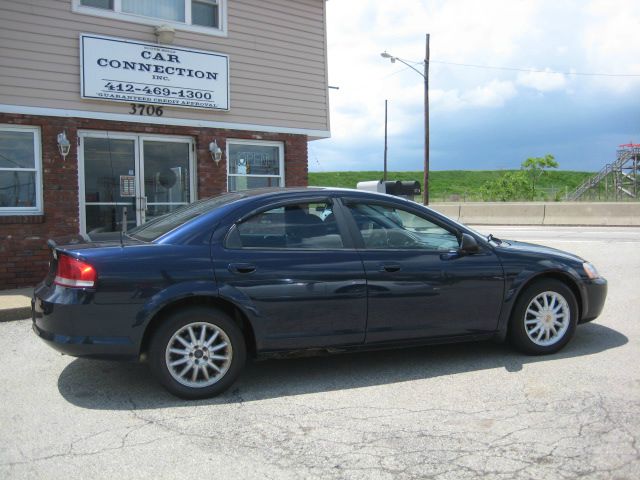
[481, 118]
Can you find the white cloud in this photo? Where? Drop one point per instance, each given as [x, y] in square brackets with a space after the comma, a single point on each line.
[611, 42]
[492, 94]
[578, 35]
[542, 81]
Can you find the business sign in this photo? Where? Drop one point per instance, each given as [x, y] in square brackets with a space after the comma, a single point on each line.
[129, 71]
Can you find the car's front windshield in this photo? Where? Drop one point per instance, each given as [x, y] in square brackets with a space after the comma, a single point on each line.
[161, 225]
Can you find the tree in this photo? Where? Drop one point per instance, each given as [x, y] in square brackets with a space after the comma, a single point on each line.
[535, 168]
[520, 184]
[509, 187]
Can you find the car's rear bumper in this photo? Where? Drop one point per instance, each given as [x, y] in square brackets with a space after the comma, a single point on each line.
[117, 348]
[64, 321]
[595, 296]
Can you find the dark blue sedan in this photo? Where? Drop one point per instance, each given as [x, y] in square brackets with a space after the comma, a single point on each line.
[268, 272]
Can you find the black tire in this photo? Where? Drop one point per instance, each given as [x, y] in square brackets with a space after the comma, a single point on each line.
[537, 330]
[213, 374]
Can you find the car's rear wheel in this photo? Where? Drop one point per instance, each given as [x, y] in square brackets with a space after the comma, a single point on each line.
[544, 317]
[197, 352]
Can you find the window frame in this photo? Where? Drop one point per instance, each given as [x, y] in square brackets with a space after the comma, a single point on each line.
[262, 143]
[37, 162]
[407, 208]
[336, 208]
[118, 14]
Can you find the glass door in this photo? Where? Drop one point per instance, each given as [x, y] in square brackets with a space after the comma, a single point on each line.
[109, 191]
[126, 179]
[166, 176]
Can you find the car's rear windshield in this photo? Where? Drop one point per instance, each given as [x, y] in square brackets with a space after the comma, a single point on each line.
[160, 226]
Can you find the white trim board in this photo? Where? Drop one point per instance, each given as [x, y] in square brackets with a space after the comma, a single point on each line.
[180, 122]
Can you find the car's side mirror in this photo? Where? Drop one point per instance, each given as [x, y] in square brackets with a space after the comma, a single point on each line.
[468, 245]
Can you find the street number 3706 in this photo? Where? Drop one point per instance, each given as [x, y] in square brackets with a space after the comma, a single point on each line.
[149, 110]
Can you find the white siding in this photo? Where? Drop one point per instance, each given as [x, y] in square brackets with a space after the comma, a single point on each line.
[277, 51]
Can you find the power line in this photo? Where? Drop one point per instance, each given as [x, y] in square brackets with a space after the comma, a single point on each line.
[399, 71]
[531, 70]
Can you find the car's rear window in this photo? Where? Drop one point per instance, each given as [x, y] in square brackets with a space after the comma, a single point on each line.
[158, 227]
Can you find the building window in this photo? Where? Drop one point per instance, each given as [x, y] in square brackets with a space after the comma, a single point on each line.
[205, 13]
[20, 170]
[254, 164]
[204, 16]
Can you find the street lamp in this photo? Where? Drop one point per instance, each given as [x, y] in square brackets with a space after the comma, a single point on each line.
[425, 76]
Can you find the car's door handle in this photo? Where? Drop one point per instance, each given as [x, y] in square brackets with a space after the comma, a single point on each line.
[241, 268]
[390, 267]
[452, 255]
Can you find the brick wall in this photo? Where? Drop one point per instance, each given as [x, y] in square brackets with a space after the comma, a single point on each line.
[23, 253]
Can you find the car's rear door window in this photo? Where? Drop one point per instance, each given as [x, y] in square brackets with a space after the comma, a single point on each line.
[300, 225]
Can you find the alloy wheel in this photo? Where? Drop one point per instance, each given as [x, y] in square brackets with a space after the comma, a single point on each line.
[198, 354]
[547, 318]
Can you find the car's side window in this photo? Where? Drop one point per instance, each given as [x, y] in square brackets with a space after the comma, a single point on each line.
[387, 227]
[306, 225]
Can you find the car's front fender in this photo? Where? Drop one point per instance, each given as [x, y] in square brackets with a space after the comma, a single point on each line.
[518, 277]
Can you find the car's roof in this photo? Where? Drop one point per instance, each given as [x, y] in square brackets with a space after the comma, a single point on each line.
[270, 190]
[257, 192]
[258, 195]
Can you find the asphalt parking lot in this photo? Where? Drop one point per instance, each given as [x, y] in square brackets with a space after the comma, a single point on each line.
[447, 412]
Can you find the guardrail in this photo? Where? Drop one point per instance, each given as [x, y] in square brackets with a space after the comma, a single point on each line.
[551, 213]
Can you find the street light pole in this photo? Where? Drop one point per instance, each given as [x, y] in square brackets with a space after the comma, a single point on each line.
[425, 76]
[384, 175]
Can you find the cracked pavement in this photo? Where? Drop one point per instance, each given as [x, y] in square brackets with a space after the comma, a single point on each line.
[447, 412]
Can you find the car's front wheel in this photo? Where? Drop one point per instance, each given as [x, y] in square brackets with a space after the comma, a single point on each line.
[544, 317]
[197, 352]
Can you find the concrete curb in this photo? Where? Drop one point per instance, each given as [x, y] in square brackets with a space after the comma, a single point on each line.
[12, 314]
[15, 304]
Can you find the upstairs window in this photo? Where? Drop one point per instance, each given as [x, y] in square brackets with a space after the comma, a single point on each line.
[199, 15]
[173, 10]
[205, 13]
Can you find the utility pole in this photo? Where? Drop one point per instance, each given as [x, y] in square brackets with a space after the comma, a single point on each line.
[426, 123]
[384, 177]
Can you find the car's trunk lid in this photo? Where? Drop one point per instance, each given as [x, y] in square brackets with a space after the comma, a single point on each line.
[74, 245]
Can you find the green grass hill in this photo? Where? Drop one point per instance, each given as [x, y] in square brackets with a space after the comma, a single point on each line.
[455, 185]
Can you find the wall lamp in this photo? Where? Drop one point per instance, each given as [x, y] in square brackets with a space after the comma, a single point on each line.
[216, 152]
[165, 33]
[63, 145]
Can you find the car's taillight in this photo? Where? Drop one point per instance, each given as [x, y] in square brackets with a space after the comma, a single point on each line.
[74, 273]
